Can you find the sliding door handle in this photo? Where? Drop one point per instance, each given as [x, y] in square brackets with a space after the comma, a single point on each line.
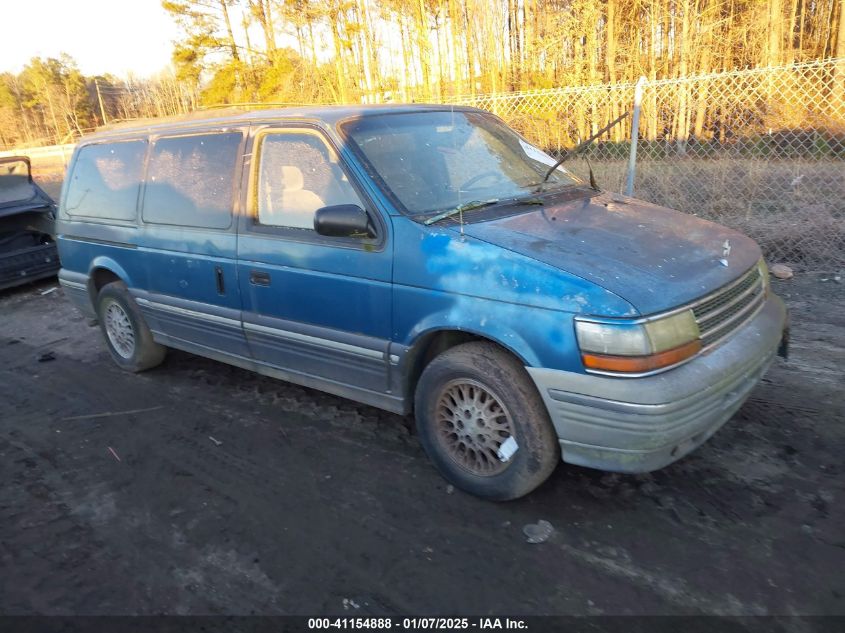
[259, 278]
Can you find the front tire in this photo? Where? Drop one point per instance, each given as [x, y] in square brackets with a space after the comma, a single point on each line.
[469, 401]
[128, 338]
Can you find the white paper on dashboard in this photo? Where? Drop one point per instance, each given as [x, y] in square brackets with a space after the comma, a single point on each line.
[539, 155]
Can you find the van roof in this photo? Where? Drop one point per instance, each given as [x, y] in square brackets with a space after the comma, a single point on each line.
[237, 114]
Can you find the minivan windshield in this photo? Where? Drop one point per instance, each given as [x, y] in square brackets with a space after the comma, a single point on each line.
[439, 160]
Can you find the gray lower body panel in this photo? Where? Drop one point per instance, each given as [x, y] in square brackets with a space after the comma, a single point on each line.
[75, 286]
[211, 326]
[374, 398]
[642, 424]
[343, 357]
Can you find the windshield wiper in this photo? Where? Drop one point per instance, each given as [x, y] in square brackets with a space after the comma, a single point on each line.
[467, 206]
[581, 147]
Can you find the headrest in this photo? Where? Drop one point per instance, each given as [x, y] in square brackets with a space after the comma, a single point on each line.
[292, 177]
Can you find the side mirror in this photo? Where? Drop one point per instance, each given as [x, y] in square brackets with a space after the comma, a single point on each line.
[343, 220]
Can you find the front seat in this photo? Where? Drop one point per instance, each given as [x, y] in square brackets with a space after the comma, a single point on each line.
[295, 204]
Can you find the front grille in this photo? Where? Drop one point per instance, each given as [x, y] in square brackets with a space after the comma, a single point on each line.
[725, 310]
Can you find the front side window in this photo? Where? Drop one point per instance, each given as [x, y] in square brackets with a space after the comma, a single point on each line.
[298, 173]
[434, 161]
[190, 180]
[105, 181]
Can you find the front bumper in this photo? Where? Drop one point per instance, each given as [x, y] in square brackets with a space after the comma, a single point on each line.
[636, 425]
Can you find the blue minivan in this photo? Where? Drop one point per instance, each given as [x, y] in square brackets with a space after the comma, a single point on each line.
[422, 259]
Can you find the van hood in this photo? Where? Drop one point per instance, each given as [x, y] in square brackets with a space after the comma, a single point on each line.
[653, 257]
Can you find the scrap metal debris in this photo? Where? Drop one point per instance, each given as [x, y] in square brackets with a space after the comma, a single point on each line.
[112, 451]
[49, 290]
[216, 442]
[539, 532]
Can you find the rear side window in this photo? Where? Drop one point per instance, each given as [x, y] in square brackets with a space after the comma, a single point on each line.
[190, 180]
[105, 181]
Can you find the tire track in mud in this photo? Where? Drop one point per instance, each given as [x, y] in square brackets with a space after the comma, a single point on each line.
[223, 476]
[34, 511]
[232, 484]
[77, 486]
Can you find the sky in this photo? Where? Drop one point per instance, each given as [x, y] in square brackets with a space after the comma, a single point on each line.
[103, 36]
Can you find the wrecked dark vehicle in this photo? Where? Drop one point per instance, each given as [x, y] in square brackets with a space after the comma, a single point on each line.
[27, 214]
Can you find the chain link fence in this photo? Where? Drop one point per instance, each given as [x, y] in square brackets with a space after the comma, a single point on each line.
[759, 150]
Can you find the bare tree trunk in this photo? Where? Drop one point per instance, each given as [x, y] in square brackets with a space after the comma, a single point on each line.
[701, 98]
[611, 64]
[773, 54]
[683, 98]
[790, 42]
[52, 110]
[470, 54]
[265, 19]
[651, 124]
[455, 60]
[839, 72]
[231, 36]
[667, 21]
[591, 53]
[424, 46]
[312, 42]
[340, 72]
[364, 44]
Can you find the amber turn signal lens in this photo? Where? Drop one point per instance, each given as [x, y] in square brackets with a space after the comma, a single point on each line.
[639, 364]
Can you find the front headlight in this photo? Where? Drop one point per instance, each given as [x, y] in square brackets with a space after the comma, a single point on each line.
[638, 347]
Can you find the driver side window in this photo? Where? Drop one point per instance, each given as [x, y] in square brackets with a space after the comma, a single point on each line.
[298, 173]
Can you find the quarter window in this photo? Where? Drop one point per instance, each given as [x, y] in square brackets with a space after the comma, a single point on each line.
[297, 174]
[105, 181]
[190, 180]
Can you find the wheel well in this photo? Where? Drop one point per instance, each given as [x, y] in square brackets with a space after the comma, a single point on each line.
[431, 346]
[99, 277]
[102, 276]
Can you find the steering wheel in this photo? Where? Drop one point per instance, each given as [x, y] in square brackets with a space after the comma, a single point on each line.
[467, 185]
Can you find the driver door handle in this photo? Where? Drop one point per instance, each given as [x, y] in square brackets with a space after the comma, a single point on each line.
[259, 278]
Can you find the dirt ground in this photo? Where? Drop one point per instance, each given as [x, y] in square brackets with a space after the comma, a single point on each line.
[204, 489]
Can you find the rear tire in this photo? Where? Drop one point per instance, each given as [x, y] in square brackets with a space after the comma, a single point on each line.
[469, 401]
[128, 338]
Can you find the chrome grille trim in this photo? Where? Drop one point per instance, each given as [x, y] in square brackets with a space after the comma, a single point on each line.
[748, 309]
[724, 311]
[752, 289]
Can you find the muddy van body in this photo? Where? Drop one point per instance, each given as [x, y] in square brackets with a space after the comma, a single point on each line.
[422, 259]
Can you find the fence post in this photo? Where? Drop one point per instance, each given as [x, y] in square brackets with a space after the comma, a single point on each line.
[635, 134]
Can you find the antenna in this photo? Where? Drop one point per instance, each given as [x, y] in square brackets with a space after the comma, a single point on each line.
[455, 148]
[583, 145]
